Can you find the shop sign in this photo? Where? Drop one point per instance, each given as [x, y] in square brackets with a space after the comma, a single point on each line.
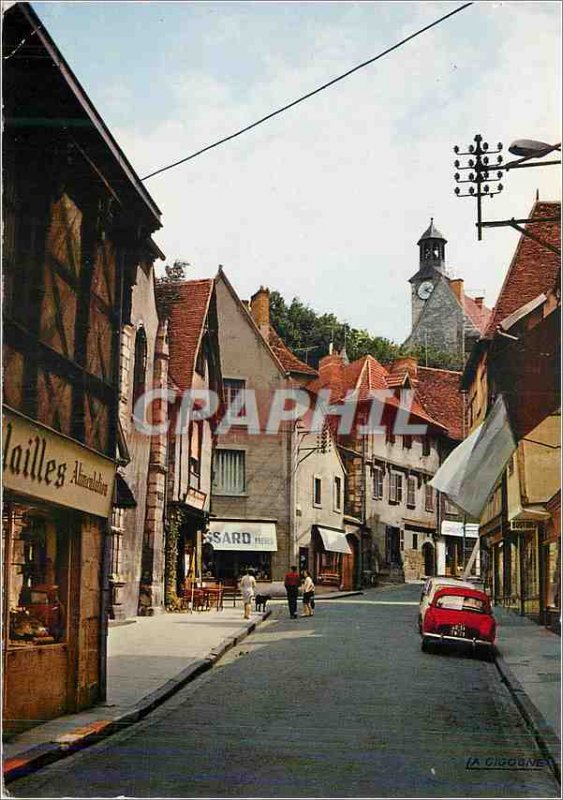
[43, 464]
[241, 535]
[523, 525]
[195, 498]
[451, 528]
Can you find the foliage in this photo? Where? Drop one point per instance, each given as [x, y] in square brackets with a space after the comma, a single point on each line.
[171, 599]
[309, 334]
[166, 291]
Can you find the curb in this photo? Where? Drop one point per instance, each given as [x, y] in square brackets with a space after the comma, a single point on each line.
[320, 597]
[47, 753]
[542, 732]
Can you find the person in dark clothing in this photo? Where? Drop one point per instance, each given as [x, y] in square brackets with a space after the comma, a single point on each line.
[292, 581]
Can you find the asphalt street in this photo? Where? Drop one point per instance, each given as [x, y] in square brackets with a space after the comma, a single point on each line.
[343, 704]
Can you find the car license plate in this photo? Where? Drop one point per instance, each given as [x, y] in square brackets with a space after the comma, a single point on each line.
[458, 630]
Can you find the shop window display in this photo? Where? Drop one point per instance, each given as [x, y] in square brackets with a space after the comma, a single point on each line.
[36, 562]
[230, 564]
[553, 575]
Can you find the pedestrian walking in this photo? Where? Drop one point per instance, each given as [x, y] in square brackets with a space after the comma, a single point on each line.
[308, 594]
[247, 590]
[292, 581]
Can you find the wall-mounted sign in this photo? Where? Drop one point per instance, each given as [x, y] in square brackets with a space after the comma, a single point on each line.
[451, 528]
[523, 525]
[40, 463]
[195, 498]
[241, 535]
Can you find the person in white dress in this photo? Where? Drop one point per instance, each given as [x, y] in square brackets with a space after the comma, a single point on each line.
[248, 590]
[308, 594]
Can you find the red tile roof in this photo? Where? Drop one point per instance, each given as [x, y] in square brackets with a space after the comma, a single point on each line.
[188, 311]
[439, 392]
[289, 360]
[479, 315]
[367, 375]
[534, 268]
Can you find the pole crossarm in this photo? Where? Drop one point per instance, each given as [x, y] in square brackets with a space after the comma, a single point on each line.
[514, 223]
[483, 172]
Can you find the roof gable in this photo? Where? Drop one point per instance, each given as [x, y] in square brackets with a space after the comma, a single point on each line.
[249, 320]
[440, 394]
[533, 269]
[187, 316]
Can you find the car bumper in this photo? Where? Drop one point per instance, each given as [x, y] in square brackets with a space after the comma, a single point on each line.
[439, 637]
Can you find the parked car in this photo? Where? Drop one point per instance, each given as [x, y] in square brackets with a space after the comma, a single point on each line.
[432, 585]
[459, 615]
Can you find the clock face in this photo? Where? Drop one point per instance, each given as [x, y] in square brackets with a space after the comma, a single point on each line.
[425, 290]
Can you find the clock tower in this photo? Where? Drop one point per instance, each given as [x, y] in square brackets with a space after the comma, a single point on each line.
[432, 266]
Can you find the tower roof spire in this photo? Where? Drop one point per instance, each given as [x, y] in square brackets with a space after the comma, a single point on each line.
[431, 232]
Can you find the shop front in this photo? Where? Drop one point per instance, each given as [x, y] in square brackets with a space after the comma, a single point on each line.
[333, 556]
[230, 547]
[551, 565]
[56, 505]
[456, 547]
[192, 519]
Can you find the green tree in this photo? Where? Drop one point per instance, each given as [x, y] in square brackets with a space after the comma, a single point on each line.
[309, 334]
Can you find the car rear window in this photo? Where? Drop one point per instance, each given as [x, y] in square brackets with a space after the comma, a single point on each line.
[458, 602]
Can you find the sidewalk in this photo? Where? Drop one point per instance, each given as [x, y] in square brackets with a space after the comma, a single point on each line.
[529, 660]
[149, 659]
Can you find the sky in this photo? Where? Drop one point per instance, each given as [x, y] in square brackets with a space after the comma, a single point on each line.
[327, 201]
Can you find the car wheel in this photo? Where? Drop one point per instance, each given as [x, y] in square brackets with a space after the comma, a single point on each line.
[425, 646]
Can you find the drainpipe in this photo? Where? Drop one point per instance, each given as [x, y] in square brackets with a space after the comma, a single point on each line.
[363, 521]
[292, 459]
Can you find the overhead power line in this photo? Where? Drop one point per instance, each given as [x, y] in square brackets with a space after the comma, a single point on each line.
[309, 94]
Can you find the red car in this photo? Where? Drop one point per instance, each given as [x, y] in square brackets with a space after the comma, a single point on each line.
[460, 615]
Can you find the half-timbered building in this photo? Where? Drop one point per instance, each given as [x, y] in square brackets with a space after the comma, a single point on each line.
[77, 221]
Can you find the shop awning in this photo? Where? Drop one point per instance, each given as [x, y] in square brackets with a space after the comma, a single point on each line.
[471, 471]
[241, 535]
[418, 524]
[334, 541]
[452, 528]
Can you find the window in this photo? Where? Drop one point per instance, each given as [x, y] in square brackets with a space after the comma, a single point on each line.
[37, 589]
[377, 483]
[411, 492]
[196, 438]
[232, 387]
[317, 492]
[428, 497]
[450, 509]
[229, 475]
[140, 366]
[200, 361]
[389, 436]
[395, 487]
[415, 541]
[337, 493]
[426, 445]
[407, 442]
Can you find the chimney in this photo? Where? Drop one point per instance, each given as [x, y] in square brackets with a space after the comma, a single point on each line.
[330, 369]
[479, 302]
[260, 310]
[457, 288]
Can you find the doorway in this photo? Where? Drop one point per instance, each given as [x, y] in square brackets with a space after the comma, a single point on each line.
[429, 555]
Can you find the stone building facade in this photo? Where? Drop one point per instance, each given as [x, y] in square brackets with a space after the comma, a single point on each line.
[140, 370]
[444, 318]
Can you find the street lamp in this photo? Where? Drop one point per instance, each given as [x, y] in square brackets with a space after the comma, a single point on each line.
[480, 167]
